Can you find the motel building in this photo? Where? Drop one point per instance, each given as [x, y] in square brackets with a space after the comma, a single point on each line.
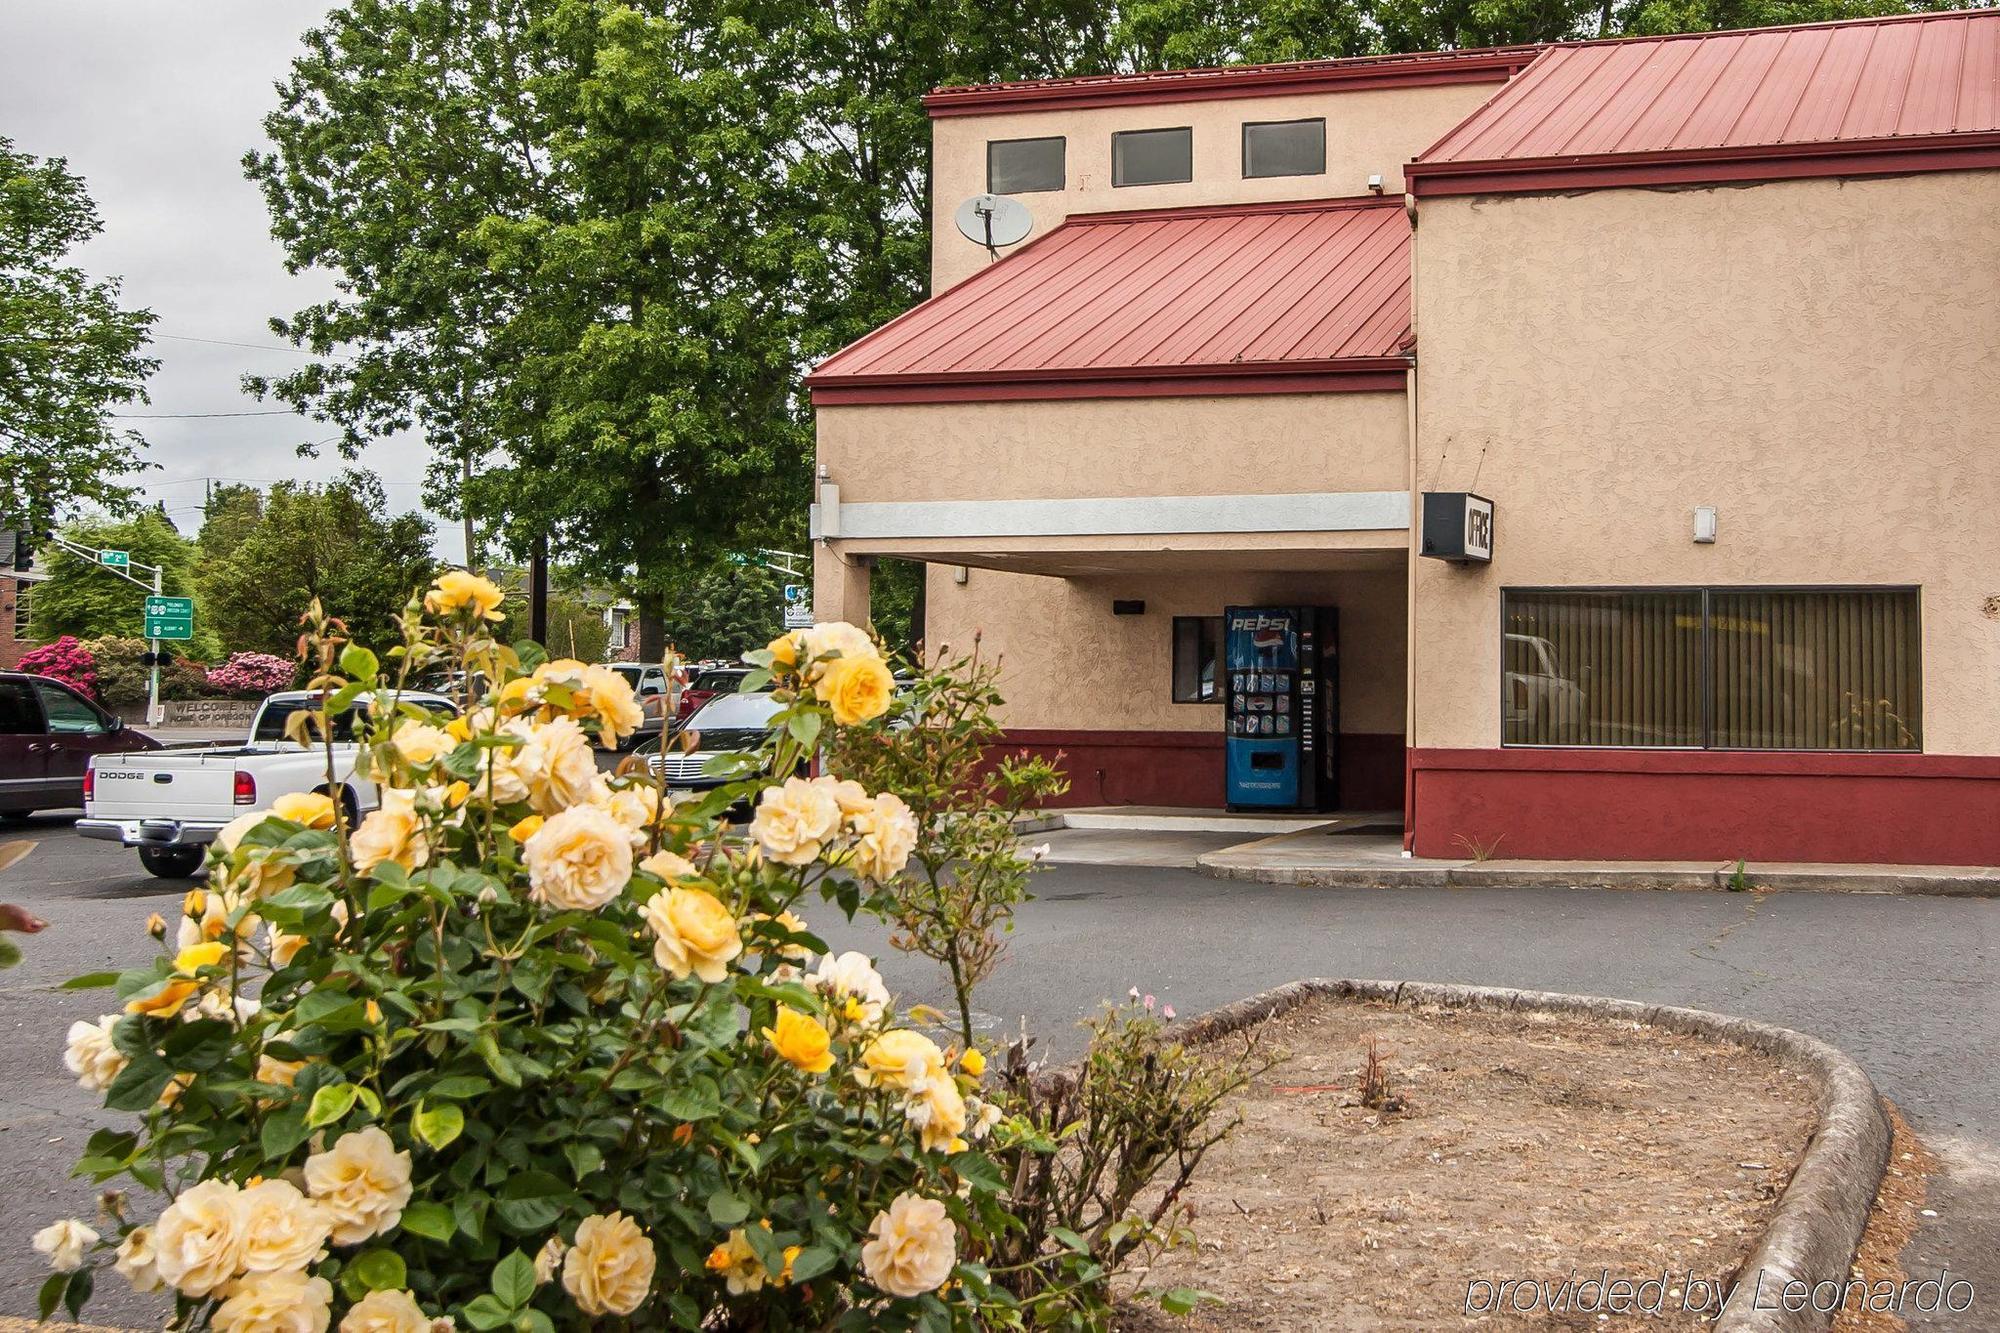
[1586, 451]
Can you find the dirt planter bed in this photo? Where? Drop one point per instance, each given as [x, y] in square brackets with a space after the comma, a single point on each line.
[1543, 1136]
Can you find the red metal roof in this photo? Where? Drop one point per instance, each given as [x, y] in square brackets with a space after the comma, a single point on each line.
[1860, 97]
[1482, 65]
[1293, 297]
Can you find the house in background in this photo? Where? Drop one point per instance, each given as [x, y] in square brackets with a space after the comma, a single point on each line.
[1707, 326]
[17, 583]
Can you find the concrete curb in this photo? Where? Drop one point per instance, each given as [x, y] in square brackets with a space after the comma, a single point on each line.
[1935, 881]
[1823, 1211]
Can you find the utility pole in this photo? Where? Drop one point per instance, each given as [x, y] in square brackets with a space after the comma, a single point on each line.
[538, 591]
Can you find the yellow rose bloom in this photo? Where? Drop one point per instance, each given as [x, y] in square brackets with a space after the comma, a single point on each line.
[274, 1303]
[669, 866]
[609, 698]
[166, 1003]
[973, 1063]
[363, 1182]
[393, 832]
[856, 688]
[801, 1041]
[314, 809]
[197, 956]
[784, 651]
[421, 744]
[911, 1247]
[526, 828]
[578, 860]
[198, 1241]
[387, 1311]
[558, 767]
[693, 932]
[460, 589]
[899, 1059]
[455, 794]
[737, 1264]
[795, 819]
[610, 1268]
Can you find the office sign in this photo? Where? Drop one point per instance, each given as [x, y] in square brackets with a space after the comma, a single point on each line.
[1457, 526]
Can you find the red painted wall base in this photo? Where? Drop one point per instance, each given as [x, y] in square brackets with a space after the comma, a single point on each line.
[1184, 768]
[1668, 805]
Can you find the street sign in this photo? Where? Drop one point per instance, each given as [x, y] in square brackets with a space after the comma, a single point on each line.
[796, 593]
[115, 559]
[169, 617]
[798, 617]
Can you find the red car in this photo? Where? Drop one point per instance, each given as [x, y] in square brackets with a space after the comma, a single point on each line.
[48, 733]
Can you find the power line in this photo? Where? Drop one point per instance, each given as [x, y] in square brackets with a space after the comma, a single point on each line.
[186, 416]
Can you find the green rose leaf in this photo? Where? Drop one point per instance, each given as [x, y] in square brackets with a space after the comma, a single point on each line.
[811, 1262]
[530, 1201]
[91, 981]
[139, 1085]
[456, 1086]
[438, 1125]
[331, 1103]
[51, 1294]
[697, 1099]
[284, 1132]
[514, 1280]
[726, 1208]
[379, 1270]
[1182, 1300]
[484, 1312]
[358, 662]
[433, 1221]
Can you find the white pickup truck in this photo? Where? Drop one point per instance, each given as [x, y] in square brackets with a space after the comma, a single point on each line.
[170, 804]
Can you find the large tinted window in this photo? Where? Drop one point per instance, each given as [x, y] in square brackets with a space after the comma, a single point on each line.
[1152, 157]
[19, 714]
[1023, 166]
[69, 712]
[1284, 148]
[1726, 668]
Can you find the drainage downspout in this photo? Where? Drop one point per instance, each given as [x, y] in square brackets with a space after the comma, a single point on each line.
[1411, 557]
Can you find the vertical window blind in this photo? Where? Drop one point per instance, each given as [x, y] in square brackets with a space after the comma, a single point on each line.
[1725, 668]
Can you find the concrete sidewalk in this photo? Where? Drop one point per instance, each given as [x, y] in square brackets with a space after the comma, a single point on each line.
[1324, 858]
[1364, 850]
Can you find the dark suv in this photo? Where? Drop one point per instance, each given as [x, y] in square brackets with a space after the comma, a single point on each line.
[48, 732]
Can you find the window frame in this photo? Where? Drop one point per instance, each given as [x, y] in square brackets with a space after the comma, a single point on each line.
[1707, 676]
[1208, 633]
[1062, 175]
[1249, 125]
[46, 688]
[1116, 135]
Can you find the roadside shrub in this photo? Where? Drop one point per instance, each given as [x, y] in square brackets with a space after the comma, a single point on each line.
[185, 678]
[121, 678]
[65, 660]
[252, 675]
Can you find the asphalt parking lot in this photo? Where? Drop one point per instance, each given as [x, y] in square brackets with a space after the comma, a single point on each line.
[1904, 984]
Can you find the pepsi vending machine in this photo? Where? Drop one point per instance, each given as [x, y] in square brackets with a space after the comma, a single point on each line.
[1282, 709]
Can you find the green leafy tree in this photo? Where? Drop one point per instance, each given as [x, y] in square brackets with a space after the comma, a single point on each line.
[724, 610]
[89, 601]
[69, 353]
[337, 544]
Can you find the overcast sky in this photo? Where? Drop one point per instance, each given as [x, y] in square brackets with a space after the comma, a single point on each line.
[154, 103]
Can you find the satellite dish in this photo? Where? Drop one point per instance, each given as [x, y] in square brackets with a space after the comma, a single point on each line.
[994, 220]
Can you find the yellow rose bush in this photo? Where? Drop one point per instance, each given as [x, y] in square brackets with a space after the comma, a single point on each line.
[529, 1045]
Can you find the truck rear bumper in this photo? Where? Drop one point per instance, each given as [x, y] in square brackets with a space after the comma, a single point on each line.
[150, 832]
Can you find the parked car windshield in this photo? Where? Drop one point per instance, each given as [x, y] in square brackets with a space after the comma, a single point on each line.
[277, 713]
[734, 721]
[718, 681]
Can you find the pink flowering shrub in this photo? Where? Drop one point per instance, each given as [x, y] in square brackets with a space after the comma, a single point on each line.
[65, 660]
[252, 673]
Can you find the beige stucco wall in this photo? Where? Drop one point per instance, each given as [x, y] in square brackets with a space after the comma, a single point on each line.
[1067, 662]
[1255, 445]
[1371, 132]
[1820, 360]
